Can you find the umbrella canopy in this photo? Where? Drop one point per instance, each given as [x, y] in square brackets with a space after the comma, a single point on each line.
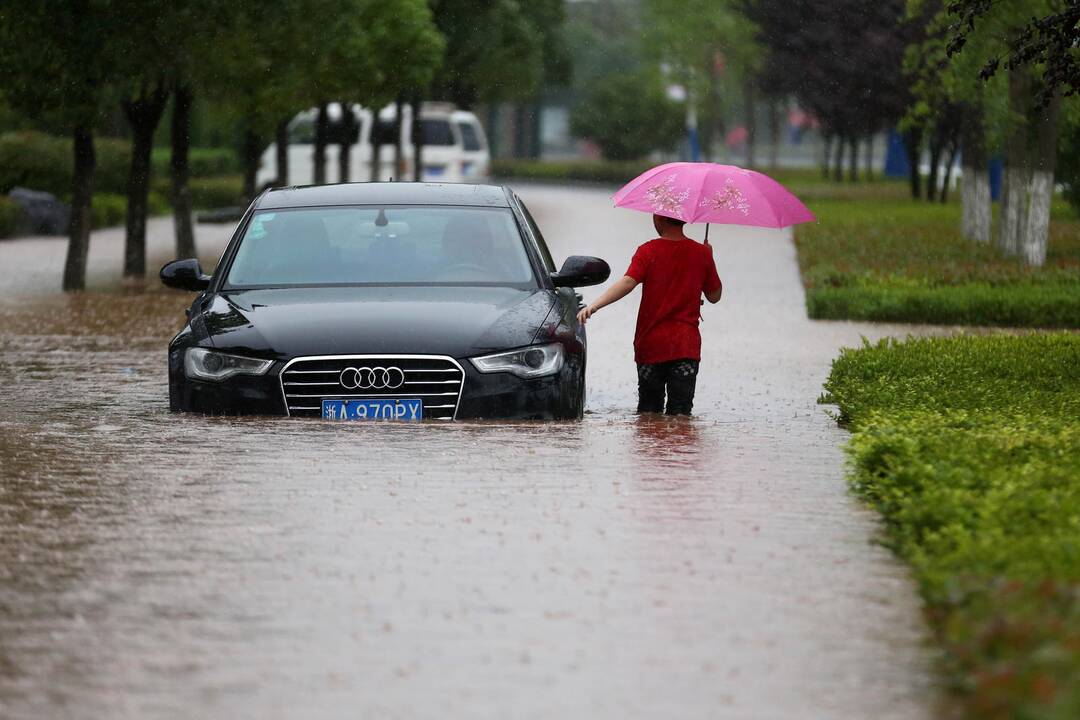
[711, 193]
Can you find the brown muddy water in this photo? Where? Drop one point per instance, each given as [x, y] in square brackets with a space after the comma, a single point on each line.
[157, 565]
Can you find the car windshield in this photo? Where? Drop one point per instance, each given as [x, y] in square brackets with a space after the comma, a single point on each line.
[437, 132]
[382, 246]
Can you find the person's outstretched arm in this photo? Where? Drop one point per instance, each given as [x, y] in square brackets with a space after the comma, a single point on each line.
[618, 290]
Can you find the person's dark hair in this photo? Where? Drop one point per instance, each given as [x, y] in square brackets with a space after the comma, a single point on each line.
[673, 222]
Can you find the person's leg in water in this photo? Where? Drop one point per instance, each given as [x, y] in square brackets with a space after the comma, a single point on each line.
[651, 380]
[681, 377]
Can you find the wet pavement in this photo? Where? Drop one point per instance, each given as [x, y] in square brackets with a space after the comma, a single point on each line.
[155, 565]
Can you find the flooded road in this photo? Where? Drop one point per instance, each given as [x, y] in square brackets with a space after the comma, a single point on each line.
[155, 565]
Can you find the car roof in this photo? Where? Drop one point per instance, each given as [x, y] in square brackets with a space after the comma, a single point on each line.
[384, 193]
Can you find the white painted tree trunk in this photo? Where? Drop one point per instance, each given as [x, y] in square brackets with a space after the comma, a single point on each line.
[1014, 203]
[975, 205]
[1036, 234]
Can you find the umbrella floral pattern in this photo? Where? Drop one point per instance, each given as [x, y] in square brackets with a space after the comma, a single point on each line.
[730, 198]
[666, 199]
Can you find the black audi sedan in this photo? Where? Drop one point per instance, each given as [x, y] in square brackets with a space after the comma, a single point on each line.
[401, 301]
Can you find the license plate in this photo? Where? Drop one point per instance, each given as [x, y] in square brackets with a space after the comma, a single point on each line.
[434, 170]
[410, 409]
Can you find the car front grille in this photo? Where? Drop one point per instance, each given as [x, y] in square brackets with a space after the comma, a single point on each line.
[435, 379]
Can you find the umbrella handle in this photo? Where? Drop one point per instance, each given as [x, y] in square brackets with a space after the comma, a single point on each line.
[706, 233]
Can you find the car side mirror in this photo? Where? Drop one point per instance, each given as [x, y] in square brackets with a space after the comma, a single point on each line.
[185, 275]
[581, 271]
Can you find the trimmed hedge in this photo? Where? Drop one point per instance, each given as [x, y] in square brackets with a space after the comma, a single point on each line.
[202, 162]
[38, 161]
[598, 171]
[217, 192]
[1047, 305]
[970, 449]
[9, 216]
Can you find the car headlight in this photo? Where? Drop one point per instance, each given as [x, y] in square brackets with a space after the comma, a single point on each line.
[203, 364]
[530, 362]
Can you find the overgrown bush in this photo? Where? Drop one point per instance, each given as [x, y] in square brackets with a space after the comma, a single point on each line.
[38, 161]
[202, 162]
[970, 449]
[9, 216]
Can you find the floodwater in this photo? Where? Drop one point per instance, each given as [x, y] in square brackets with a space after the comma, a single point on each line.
[157, 565]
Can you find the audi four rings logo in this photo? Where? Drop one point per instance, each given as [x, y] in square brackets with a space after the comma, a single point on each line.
[372, 378]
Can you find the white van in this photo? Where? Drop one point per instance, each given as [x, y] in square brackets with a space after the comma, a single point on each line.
[455, 148]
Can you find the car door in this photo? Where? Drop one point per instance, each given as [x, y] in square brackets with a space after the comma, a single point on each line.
[568, 298]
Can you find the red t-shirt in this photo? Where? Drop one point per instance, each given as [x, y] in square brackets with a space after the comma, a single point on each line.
[673, 275]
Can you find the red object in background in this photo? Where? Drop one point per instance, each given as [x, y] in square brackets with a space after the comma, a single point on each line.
[673, 275]
[736, 137]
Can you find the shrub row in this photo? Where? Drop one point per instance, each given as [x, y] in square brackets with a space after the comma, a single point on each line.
[9, 216]
[598, 171]
[202, 162]
[1036, 305]
[970, 449]
[38, 161]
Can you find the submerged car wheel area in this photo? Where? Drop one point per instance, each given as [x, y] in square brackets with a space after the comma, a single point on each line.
[401, 301]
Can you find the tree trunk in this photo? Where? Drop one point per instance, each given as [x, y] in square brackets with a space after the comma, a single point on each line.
[935, 160]
[143, 115]
[975, 212]
[838, 159]
[913, 145]
[281, 152]
[417, 140]
[180, 139]
[749, 103]
[869, 160]
[322, 127]
[251, 157]
[348, 137]
[399, 127]
[825, 155]
[954, 149]
[82, 190]
[1016, 179]
[774, 135]
[1036, 237]
[376, 147]
[853, 159]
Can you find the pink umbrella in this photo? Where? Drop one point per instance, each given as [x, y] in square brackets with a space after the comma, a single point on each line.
[711, 193]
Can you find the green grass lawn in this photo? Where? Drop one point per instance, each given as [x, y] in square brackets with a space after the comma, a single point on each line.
[970, 449]
[875, 254]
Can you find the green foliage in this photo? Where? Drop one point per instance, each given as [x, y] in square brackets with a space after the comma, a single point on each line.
[202, 162]
[217, 192]
[628, 116]
[885, 258]
[9, 216]
[108, 210]
[970, 449]
[607, 172]
[44, 162]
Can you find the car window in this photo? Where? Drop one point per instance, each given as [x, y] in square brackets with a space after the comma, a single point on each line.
[549, 263]
[437, 132]
[469, 137]
[302, 131]
[370, 245]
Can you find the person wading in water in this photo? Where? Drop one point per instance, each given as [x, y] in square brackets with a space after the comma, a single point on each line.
[673, 271]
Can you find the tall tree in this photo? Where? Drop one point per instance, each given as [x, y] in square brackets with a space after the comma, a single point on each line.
[56, 59]
[1004, 34]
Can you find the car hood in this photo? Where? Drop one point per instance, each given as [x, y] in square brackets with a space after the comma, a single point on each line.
[454, 321]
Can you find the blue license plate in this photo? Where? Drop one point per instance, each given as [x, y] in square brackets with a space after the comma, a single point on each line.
[434, 170]
[410, 409]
